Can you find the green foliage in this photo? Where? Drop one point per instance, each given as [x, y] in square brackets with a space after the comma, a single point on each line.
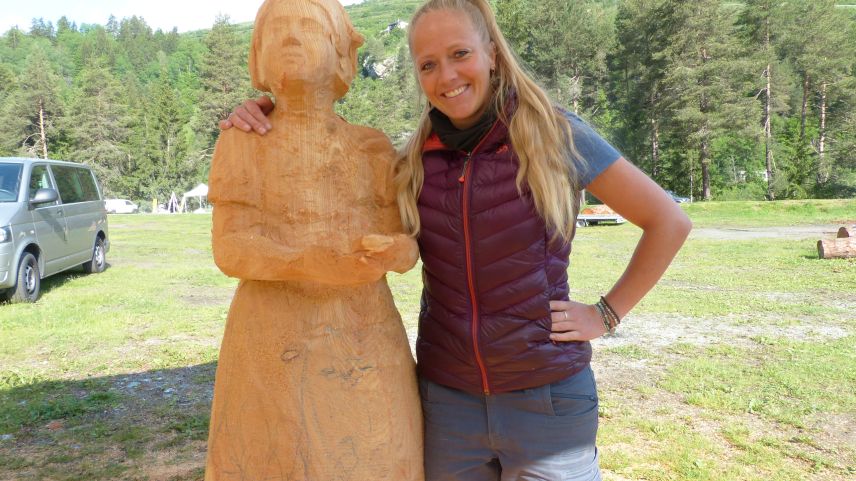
[223, 75]
[678, 87]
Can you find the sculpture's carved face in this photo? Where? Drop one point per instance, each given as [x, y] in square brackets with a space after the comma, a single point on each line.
[297, 46]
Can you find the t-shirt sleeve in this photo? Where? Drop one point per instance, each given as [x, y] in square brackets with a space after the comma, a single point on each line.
[596, 153]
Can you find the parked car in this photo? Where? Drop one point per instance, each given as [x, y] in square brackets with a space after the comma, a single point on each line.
[675, 197]
[52, 219]
[120, 206]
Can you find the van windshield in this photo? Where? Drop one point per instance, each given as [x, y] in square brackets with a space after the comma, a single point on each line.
[10, 181]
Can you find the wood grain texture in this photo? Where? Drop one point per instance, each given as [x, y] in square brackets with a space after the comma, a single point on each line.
[315, 379]
[839, 248]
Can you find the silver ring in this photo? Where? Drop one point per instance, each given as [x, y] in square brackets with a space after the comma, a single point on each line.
[565, 314]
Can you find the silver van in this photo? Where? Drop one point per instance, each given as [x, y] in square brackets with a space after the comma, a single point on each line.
[52, 218]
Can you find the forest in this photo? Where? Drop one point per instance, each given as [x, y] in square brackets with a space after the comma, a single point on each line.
[715, 100]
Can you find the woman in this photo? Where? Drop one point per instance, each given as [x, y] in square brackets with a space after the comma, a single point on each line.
[489, 184]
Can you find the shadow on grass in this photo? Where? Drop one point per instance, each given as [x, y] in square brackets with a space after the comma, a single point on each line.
[57, 429]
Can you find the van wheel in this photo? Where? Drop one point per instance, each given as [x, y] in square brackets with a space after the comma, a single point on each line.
[28, 282]
[99, 259]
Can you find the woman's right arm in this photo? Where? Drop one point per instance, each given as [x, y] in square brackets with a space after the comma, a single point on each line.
[251, 115]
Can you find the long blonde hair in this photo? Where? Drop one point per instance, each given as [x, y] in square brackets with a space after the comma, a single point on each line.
[540, 135]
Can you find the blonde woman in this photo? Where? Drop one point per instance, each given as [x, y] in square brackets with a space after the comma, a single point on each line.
[489, 185]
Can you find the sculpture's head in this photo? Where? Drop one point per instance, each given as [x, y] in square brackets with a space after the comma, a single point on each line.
[310, 41]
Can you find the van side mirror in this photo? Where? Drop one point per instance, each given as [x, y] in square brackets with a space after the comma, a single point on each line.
[44, 196]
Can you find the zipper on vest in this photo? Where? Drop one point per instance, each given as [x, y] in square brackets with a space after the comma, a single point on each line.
[465, 206]
[471, 278]
[462, 178]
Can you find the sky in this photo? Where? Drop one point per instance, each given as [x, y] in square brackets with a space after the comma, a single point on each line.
[187, 15]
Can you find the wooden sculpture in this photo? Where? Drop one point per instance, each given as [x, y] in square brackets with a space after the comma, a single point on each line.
[315, 380]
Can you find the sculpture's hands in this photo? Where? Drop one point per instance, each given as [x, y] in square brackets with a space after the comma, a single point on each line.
[392, 253]
[250, 115]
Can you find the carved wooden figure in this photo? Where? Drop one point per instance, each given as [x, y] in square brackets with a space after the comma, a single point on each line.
[315, 380]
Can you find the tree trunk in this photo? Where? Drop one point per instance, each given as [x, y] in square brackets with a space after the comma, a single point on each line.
[804, 108]
[704, 160]
[704, 148]
[655, 148]
[822, 167]
[768, 130]
[768, 112]
[837, 248]
[692, 181]
[576, 92]
[42, 129]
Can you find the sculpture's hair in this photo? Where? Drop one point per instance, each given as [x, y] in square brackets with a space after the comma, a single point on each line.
[344, 38]
[540, 135]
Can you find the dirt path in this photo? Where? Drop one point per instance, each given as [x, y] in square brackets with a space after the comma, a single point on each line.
[816, 232]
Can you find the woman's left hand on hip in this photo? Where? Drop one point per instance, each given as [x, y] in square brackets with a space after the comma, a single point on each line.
[575, 321]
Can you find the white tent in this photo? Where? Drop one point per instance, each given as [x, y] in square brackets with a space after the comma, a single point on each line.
[199, 192]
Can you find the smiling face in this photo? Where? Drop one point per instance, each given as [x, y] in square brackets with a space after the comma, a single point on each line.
[453, 64]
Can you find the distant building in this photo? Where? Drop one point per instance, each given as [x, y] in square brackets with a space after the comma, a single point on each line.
[396, 24]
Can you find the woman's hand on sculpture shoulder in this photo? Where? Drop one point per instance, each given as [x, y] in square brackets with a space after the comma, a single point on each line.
[575, 321]
[250, 116]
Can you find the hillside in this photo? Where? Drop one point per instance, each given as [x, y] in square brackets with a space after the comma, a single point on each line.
[679, 88]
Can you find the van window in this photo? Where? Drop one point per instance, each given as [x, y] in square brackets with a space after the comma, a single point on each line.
[75, 184]
[10, 179]
[39, 179]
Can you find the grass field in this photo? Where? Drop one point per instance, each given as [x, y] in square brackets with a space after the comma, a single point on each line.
[740, 365]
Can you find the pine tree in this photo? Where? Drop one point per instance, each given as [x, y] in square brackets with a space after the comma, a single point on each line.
[136, 38]
[28, 118]
[224, 76]
[13, 37]
[761, 27]
[824, 57]
[99, 125]
[41, 28]
[644, 30]
[704, 83]
[564, 43]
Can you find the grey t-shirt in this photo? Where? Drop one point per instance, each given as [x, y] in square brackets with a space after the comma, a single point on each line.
[597, 153]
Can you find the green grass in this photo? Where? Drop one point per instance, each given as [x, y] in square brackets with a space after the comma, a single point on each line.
[788, 382]
[109, 376]
[787, 212]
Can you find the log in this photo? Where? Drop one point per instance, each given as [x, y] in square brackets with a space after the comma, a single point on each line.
[844, 233]
[843, 248]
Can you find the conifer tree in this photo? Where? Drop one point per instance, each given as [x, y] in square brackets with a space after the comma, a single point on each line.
[28, 116]
[704, 84]
[638, 63]
[99, 125]
[223, 74]
[761, 27]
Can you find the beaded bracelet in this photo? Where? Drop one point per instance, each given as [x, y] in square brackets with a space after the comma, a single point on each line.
[605, 318]
[608, 316]
[611, 312]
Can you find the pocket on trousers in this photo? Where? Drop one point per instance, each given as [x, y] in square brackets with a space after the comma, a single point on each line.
[575, 395]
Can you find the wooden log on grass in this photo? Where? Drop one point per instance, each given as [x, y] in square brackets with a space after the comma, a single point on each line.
[842, 248]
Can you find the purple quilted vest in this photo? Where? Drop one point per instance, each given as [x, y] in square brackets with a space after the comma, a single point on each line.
[489, 274]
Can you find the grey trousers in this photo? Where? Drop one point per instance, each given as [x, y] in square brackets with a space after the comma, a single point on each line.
[546, 433]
